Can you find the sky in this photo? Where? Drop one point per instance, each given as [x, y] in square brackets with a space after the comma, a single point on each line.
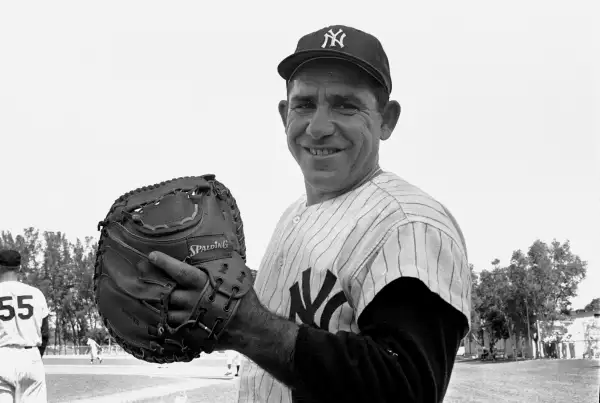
[500, 111]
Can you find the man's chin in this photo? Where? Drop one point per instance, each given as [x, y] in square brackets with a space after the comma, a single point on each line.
[325, 181]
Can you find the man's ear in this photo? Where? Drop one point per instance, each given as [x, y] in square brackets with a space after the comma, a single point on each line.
[283, 111]
[390, 116]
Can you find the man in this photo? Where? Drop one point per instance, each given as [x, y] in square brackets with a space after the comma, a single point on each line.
[95, 351]
[363, 294]
[493, 352]
[571, 344]
[554, 347]
[23, 335]
[548, 347]
[233, 358]
[485, 353]
[563, 345]
[558, 344]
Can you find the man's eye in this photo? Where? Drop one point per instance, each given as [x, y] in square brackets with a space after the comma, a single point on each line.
[347, 106]
[303, 106]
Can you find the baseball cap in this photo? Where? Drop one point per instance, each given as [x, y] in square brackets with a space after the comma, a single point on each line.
[340, 42]
[10, 258]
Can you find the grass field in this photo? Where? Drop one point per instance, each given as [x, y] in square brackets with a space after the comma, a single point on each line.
[118, 380]
[64, 388]
[551, 381]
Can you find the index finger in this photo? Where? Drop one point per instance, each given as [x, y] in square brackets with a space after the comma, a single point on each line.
[183, 273]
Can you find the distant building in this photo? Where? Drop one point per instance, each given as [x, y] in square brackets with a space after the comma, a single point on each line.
[584, 328]
[581, 313]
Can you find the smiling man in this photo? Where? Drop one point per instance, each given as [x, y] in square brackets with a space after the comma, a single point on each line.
[363, 294]
[373, 269]
[332, 164]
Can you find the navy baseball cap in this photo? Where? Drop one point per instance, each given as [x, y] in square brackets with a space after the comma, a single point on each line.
[340, 42]
[10, 258]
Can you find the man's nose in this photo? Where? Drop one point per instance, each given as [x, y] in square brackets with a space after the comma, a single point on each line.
[320, 124]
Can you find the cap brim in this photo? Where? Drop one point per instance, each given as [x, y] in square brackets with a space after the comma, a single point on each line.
[292, 63]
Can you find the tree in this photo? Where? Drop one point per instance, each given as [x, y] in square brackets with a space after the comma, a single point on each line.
[520, 302]
[593, 306]
[569, 271]
[476, 330]
[542, 283]
[491, 307]
[555, 274]
[54, 277]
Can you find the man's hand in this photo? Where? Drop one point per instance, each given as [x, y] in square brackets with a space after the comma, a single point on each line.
[265, 338]
[191, 281]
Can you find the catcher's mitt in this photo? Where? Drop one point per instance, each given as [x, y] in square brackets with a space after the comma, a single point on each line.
[193, 219]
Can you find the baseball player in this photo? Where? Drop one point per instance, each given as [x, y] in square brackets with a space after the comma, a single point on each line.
[363, 294]
[23, 335]
[233, 358]
[95, 351]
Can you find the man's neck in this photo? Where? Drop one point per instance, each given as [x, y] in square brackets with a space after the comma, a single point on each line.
[313, 196]
[9, 276]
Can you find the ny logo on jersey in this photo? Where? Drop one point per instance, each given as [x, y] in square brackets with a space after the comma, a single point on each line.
[303, 307]
[333, 40]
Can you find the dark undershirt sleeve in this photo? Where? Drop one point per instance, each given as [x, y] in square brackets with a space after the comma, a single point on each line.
[45, 336]
[405, 351]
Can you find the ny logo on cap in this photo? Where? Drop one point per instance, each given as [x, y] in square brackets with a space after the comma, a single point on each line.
[333, 39]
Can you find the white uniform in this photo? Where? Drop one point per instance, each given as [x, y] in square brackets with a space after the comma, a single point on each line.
[234, 358]
[94, 350]
[325, 263]
[22, 375]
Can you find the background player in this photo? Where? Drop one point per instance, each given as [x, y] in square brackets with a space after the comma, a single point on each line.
[23, 335]
[95, 350]
[233, 358]
[363, 294]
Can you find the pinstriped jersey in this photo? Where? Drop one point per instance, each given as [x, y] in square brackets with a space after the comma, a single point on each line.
[326, 262]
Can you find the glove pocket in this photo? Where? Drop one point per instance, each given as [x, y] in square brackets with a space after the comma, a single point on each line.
[173, 245]
[131, 318]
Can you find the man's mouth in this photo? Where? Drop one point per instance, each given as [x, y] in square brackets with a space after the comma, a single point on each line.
[323, 151]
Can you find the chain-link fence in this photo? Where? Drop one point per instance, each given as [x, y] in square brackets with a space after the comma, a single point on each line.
[570, 349]
[575, 348]
[112, 350]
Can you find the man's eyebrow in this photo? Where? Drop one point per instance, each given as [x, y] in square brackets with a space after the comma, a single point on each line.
[337, 98]
[302, 98]
[349, 98]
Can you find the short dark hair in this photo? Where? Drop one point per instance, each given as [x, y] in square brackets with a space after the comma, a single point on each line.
[379, 92]
[10, 259]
